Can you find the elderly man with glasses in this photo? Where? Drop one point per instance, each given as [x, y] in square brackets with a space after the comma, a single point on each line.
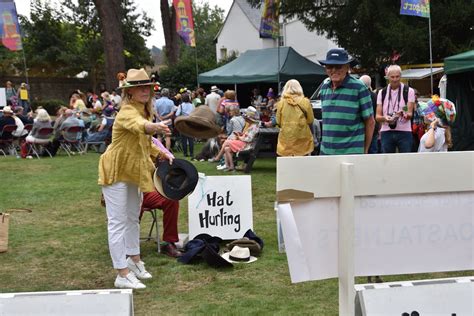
[348, 117]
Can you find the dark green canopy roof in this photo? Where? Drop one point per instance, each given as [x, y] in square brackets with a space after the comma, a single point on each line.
[459, 63]
[262, 66]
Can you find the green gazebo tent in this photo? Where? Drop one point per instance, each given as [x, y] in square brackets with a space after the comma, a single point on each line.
[460, 89]
[262, 66]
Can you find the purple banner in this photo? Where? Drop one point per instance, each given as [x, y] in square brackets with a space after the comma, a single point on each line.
[269, 24]
[416, 8]
[9, 27]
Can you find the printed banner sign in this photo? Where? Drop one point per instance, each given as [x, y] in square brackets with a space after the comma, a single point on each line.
[9, 27]
[184, 21]
[221, 206]
[416, 8]
[396, 234]
[269, 24]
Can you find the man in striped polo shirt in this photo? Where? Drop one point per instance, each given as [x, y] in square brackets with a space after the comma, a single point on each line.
[348, 117]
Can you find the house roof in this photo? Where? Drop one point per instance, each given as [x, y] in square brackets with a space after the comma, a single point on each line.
[261, 65]
[253, 14]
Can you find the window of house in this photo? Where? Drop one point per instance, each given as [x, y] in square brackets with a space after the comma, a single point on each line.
[223, 53]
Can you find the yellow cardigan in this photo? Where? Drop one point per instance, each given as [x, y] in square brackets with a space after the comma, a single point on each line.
[130, 156]
[294, 114]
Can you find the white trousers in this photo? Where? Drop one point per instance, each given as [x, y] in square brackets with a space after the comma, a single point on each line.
[122, 202]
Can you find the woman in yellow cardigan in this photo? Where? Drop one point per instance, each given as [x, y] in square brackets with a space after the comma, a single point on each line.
[125, 170]
[294, 115]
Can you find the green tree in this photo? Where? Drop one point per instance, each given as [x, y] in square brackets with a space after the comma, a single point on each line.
[52, 47]
[134, 26]
[207, 23]
[372, 30]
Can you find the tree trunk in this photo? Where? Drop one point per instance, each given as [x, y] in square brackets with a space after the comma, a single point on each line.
[112, 38]
[168, 17]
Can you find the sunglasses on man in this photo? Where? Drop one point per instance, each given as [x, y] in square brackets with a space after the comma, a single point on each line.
[336, 67]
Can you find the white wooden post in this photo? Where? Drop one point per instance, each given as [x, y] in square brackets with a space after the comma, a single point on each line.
[346, 241]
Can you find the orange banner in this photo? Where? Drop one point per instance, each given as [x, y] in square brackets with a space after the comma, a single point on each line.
[184, 21]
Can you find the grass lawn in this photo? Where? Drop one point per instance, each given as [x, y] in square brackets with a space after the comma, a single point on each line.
[62, 245]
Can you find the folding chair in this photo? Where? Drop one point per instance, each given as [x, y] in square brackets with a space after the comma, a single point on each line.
[6, 142]
[28, 127]
[154, 224]
[71, 140]
[45, 134]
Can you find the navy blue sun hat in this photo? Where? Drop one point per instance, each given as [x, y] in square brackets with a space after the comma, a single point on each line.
[192, 251]
[194, 248]
[338, 56]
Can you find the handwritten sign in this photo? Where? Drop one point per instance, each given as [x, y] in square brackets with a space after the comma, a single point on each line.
[221, 206]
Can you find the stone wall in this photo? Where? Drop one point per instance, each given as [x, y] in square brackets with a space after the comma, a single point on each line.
[44, 88]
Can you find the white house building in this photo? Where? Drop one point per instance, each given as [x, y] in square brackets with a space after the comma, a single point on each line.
[240, 33]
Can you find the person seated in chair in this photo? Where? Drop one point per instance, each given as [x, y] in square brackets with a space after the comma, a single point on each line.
[105, 128]
[6, 119]
[154, 200]
[241, 141]
[70, 121]
[43, 120]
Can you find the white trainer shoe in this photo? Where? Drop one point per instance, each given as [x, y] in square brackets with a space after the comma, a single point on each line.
[130, 281]
[139, 269]
[221, 167]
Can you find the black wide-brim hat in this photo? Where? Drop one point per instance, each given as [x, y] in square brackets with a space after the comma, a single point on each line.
[177, 180]
[338, 56]
[201, 123]
[211, 255]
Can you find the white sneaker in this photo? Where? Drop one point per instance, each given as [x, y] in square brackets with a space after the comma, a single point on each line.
[220, 167]
[130, 281]
[139, 269]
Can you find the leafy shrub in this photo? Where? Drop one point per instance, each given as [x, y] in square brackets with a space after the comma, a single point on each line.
[51, 106]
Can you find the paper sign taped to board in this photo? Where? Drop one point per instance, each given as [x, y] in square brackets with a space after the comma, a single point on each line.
[393, 235]
[221, 206]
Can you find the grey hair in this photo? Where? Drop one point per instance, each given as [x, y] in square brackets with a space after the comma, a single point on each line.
[165, 92]
[367, 81]
[393, 68]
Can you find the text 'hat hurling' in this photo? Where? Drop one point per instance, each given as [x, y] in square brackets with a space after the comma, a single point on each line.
[201, 123]
[177, 180]
[338, 56]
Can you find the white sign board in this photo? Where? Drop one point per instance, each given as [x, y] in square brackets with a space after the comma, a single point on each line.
[221, 206]
[115, 302]
[421, 221]
[425, 297]
[393, 235]
[3, 97]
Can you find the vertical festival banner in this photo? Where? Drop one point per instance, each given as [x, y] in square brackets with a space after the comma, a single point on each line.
[415, 7]
[9, 27]
[184, 21]
[269, 24]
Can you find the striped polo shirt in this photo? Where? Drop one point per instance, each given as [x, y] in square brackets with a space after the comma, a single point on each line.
[344, 111]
